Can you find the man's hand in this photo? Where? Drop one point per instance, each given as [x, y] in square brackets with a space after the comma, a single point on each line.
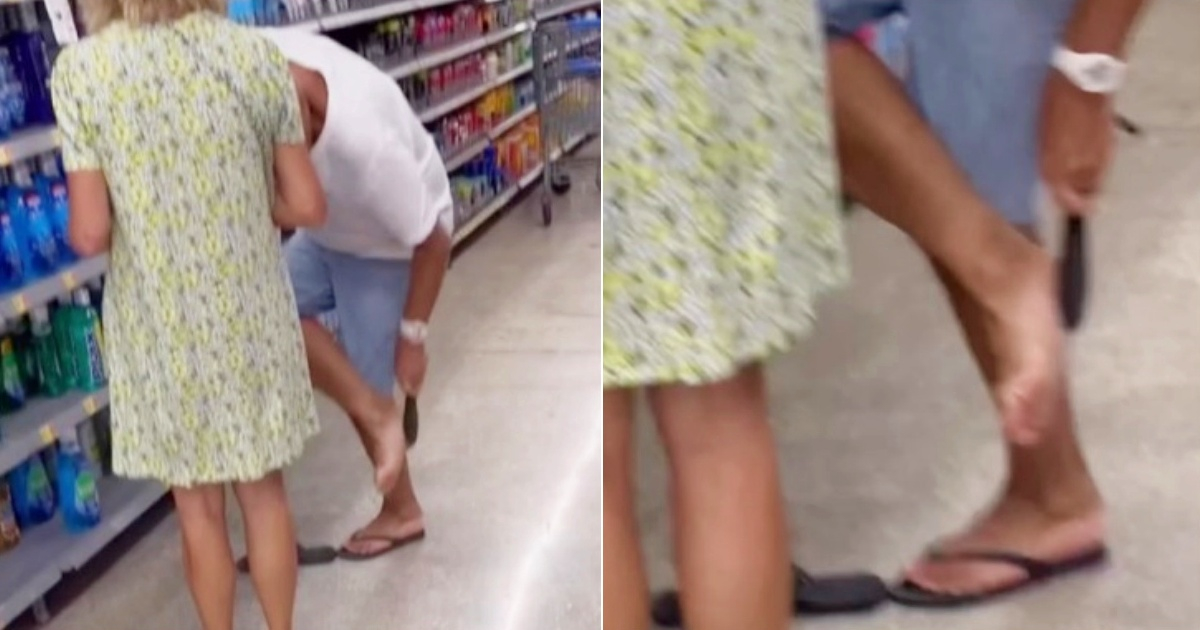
[1077, 136]
[411, 363]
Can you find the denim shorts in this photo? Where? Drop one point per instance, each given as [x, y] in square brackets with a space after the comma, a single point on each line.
[366, 296]
[977, 69]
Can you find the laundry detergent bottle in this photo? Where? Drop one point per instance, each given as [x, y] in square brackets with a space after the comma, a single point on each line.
[53, 190]
[41, 247]
[86, 342]
[32, 494]
[77, 491]
[51, 379]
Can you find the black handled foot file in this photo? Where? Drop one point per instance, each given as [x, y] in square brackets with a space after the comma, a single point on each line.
[1073, 272]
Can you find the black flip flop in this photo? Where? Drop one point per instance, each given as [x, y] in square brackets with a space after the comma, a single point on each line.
[307, 557]
[412, 421]
[1073, 267]
[914, 595]
[814, 595]
[392, 544]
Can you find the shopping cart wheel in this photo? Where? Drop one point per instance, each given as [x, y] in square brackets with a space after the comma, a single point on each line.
[547, 213]
[560, 183]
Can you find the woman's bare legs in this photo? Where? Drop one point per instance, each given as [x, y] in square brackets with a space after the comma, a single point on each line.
[625, 590]
[730, 529]
[207, 556]
[1002, 288]
[271, 547]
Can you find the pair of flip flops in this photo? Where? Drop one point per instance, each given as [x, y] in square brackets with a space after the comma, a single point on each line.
[861, 592]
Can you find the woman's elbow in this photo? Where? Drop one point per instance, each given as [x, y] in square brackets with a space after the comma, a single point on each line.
[87, 243]
[312, 214]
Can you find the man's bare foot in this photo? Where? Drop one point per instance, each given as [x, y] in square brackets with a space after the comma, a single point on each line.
[1025, 334]
[1013, 526]
[387, 532]
[383, 437]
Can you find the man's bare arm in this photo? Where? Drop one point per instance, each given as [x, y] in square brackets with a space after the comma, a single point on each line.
[1103, 26]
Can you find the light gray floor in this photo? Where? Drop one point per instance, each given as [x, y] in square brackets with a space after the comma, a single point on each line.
[508, 464]
[886, 433]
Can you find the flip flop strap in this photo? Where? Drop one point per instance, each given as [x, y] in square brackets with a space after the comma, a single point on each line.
[1033, 568]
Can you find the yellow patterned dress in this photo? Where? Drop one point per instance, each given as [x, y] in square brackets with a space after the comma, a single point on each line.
[721, 214]
[208, 379]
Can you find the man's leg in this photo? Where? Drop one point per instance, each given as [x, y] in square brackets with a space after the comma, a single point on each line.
[370, 304]
[1051, 508]
[375, 417]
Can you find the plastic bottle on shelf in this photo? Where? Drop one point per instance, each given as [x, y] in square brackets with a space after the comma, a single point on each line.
[32, 493]
[53, 189]
[10, 531]
[51, 379]
[89, 444]
[34, 216]
[12, 384]
[60, 318]
[77, 488]
[28, 48]
[86, 343]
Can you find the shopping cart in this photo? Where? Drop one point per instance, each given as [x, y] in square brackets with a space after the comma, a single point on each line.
[566, 72]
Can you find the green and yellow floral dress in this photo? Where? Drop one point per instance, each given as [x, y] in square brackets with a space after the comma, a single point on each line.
[721, 216]
[207, 374]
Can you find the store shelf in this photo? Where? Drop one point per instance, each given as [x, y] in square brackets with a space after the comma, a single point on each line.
[564, 8]
[431, 114]
[39, 292]
[435, 59]
[463, 155]
[48, 551]
[378, 12]
[41, 422]
[497, 204]
[28, 143]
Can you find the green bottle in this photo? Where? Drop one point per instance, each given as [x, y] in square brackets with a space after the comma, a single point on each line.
[45, 352]
[12, 386]
[87, 343]
[60, 332]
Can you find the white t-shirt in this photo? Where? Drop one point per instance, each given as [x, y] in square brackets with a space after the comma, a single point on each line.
[384, 179]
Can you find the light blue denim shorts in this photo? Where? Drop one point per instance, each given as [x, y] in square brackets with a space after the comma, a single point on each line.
[977, 68]
[366, 297]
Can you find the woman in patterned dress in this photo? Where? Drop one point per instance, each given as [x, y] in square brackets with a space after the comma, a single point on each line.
[184, 146]
[721, 228]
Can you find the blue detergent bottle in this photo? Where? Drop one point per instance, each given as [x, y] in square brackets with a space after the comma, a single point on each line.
[12, 260]
[32, 493]
[77, 488]
[42, 252]
[28, 48]
[53, 189]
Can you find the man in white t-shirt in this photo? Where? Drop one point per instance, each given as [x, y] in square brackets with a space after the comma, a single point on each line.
[377, 263]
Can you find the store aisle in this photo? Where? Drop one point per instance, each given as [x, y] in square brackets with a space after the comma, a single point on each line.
[886, 434]
[508, 464]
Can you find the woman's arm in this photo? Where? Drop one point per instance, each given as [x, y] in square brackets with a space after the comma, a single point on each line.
[299, 199]
[90, 226]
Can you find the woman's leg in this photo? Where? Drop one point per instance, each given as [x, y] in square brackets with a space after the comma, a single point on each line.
[271, 546]
[730, 528]
[625, 591]
[207, 556]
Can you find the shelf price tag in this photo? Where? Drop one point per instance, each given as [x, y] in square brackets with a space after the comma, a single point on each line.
[19, 305]
[47, 434]
[62, 20]
[69, 281]
[89, 405]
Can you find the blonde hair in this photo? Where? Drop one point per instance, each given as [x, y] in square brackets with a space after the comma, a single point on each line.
[98, 14]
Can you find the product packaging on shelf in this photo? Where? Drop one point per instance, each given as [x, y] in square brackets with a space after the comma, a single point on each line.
[10, 531]
[12, 381]
[32, 492]
[27, 46]
[77, 488]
